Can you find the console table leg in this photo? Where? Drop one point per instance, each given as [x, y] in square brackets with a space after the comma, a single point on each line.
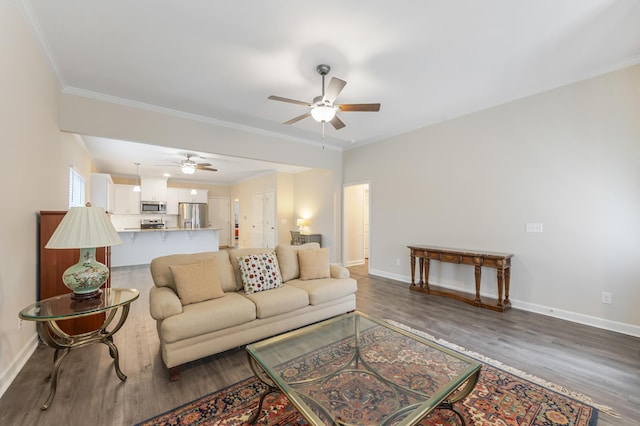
[507, 283]
[426, 274]
[422, 272]
[413, 270]
[500, 285]
[478, 273]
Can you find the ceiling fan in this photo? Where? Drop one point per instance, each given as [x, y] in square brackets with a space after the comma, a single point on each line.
[189, 166]
[323, 109]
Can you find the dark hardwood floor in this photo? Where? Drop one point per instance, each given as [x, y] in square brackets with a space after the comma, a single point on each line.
[601, 364]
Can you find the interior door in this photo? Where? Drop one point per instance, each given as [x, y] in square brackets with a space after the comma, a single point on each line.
[220, 217]
[270, 233]
[257, 218]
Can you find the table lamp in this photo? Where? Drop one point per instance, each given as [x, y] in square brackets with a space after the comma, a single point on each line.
[85, 228]
[301, 223]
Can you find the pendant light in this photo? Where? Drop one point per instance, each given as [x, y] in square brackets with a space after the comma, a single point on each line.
[136, 188]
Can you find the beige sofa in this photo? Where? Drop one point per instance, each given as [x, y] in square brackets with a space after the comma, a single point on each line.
[190, 331]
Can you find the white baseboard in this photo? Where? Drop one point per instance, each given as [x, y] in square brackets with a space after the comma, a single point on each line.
[18, 362]
[605, 324]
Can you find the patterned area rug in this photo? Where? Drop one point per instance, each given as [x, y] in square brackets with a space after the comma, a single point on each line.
[502, 397]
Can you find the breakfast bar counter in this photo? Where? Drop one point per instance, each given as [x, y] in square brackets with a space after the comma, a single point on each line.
[140, 246]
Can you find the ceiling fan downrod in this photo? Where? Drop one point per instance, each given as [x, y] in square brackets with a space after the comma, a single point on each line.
[323, 69]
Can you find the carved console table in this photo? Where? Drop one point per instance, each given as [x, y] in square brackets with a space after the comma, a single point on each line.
[500, 261]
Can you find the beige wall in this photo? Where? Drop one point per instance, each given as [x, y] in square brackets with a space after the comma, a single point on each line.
[316, 199]
[568, 158]
[29, 132]
[285, 202]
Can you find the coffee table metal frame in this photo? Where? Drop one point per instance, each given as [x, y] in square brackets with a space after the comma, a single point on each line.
[49, 311]
[445, 398]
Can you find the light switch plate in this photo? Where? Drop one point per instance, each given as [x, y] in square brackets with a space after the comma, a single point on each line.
[534, 227]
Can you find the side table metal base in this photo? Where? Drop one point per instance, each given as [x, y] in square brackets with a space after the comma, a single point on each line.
[63, 343]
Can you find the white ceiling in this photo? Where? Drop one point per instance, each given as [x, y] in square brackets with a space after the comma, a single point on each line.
[425, 61]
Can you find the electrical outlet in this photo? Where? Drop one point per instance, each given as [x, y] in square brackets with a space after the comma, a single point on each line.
[534, 227]
[607, 297]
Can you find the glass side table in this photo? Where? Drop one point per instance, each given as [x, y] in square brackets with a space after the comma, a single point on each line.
[48, 312]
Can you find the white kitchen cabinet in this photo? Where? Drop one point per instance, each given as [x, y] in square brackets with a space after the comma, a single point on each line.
[102, 192]
[185, 196]
[127, 201]
[153, 189]
[172, 200]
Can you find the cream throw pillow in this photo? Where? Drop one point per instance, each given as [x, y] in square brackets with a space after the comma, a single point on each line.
[288, 259]
[314, 264]
[197, 282]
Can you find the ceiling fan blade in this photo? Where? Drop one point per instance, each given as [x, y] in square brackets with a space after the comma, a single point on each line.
[359, 107]
[203, 165]
[333, 90]
[291, 101]
[337, 123]
[209, 169]
[298, 118]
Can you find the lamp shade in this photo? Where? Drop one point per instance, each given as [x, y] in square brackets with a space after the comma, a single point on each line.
[84, 227]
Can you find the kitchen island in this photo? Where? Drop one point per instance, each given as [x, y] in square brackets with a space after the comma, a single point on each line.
[140, 246]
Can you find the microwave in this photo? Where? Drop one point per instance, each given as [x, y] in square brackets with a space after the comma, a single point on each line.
[153, 207]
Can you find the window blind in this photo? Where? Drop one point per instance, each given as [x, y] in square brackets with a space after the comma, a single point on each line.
[76, 189]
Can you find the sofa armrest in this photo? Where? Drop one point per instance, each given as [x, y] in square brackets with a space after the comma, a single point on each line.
[163, 303]
[339, 271]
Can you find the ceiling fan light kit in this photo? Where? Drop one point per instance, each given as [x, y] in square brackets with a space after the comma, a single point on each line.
[323, 113]
[322, 108]
[188, 169]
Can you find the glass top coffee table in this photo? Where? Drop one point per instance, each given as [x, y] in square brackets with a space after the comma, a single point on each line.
[354, 369]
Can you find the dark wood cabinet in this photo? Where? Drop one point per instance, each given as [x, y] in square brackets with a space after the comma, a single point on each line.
[53, 262]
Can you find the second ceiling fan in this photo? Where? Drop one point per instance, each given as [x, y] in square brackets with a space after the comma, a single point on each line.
[189, 166]
[323, 108]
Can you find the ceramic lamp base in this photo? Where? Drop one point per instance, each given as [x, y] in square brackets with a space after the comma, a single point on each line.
[86, 277]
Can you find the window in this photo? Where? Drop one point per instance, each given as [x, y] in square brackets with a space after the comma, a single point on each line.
[76, 189]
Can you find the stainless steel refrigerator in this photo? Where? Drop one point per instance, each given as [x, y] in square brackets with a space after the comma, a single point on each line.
[193, 215]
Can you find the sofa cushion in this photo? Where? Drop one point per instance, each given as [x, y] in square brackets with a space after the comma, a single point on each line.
[260, 272]
[288, 259]
[208, 316]
[326, 289]
[314, 264]
[197, 282]
[278, 301]
[162, 276]
[233, 259]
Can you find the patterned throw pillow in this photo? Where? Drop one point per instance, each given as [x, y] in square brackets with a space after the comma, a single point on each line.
[260, 272]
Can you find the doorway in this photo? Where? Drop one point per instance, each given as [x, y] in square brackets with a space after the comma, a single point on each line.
[236, 221]
[356, 232]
